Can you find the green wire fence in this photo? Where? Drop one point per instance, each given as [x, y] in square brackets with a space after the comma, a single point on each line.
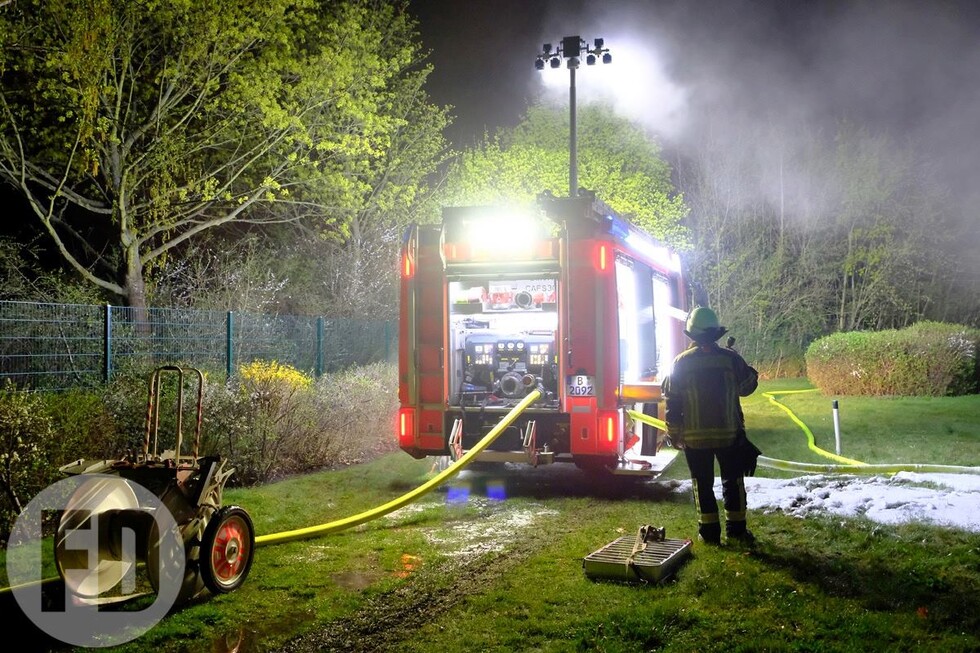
[59, 346]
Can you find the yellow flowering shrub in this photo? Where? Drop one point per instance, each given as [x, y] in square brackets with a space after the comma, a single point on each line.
[266, 379]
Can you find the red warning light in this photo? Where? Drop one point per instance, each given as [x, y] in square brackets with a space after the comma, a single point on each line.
[406, 426]
[602, 257]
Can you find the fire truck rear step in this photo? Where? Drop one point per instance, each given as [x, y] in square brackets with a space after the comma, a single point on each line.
[541, 457]
[645, 465]
[529, 454]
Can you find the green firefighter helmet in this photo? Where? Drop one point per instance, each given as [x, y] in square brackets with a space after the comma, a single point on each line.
[703, 326]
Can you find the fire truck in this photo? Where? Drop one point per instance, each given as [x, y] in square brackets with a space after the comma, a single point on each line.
[568, 299]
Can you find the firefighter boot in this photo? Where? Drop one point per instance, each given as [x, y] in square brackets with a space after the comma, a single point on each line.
[710, 533]
[738, 533]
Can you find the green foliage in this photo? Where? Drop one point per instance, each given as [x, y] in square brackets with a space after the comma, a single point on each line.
[25, 469]
[40, 432]
[272, 420]
[357, 406]
[269, 421]
[926, 359]
[125, 398]
[252, 419]
[25, 278]
[81, 426]
[156, 122]
[783, 367]
[825, 232]
[616, 158]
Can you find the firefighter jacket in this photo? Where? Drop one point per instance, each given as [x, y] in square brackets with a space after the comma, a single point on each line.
[702, 396]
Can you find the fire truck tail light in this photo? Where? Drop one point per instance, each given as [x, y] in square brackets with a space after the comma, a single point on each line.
[406, 426]
[602, 257]
[608, 427]
[408, 268]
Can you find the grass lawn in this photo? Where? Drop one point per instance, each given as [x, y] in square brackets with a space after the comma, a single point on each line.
[485, 574]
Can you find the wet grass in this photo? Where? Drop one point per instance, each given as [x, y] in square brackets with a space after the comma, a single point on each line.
[403, 583]
[808, 586]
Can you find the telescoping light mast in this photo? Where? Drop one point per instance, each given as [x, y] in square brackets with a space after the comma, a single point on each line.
[571, 50]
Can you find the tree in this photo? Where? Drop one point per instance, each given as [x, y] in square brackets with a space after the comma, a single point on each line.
[617, 159]
[134, 128]
[798, 234]
[896, 234]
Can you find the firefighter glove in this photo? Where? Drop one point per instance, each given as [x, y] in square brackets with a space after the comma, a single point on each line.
[676, 437]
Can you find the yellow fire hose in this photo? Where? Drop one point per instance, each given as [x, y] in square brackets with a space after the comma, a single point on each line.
[810, 441]
[395, 504]
[850, 466]
[847, 465]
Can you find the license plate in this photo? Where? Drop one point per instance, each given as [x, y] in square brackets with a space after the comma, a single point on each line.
[579, 385]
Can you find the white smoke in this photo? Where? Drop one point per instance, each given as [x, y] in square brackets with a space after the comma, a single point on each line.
[766, 78]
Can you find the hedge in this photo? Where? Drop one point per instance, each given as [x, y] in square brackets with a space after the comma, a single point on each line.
[926, 359]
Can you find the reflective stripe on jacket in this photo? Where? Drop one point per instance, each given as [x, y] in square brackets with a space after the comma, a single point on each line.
[702, 395]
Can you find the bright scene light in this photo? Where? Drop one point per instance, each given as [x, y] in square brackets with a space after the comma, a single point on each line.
[635, 84]
[503, 233]
[665, 315]
[659, 254]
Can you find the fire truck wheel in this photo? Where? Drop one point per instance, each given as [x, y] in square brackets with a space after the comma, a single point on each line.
[227, 549]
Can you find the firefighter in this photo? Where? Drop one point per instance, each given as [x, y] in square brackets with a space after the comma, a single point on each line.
[704, 417]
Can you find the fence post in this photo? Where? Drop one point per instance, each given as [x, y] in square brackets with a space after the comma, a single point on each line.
[229, 350]
[107, 343]
[319, 346]
[836, 428]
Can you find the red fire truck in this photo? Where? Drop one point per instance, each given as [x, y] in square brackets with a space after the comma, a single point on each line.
[570, 300]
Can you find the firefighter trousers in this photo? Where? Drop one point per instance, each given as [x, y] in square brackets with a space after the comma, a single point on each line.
[701, 462]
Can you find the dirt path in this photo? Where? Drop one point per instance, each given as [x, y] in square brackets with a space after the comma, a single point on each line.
[480, 550]
[393, 618]
[396, 616]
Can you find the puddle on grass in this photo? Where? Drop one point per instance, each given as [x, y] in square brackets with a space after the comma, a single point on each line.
[491, 533]
[355, 580]
[255, 637]
[232, 642]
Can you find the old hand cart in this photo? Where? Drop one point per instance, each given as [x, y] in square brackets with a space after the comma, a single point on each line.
[125, 504]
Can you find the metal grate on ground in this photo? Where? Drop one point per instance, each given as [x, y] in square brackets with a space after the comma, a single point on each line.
[628, 560]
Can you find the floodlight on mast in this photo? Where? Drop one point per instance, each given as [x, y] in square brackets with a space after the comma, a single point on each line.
[571, 50]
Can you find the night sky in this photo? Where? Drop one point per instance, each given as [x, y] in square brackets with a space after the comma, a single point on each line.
[908, 68]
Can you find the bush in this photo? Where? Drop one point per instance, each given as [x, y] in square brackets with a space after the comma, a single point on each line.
[251, 420]
[40, 432]
[81, 426]
[269, 421]
[127, 401]
[358, 407]
[272, 420]
[926, 359]
[25, 466]
[788, 367]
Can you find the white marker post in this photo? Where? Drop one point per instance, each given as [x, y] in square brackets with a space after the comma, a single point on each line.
[836, 428]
